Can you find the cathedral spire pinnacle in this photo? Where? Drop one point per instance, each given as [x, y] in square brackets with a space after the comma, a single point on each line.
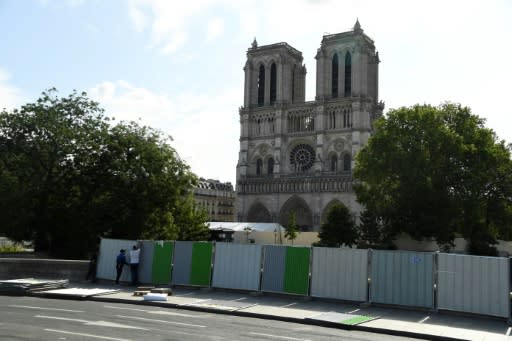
[254, 43]
[357, 26]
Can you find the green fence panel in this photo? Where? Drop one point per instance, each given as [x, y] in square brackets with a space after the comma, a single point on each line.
[201, 266]
[296, 274]
[162, 262]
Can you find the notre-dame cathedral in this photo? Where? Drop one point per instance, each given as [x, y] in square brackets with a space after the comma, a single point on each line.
[296, 155]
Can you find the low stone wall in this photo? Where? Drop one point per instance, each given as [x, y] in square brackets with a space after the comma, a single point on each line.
[73, 270]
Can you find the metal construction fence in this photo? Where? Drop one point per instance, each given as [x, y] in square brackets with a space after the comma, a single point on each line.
[402, 278]
[474, 284]
[470, 284]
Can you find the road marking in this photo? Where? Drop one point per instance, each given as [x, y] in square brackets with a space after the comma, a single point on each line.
[158, 312]
[289, 305]
[91, 323]
[162, 321]
[279, 337]
[43, 308]
[508, 331]
[423, 320]
[239, 299]
[85, 335]
[353, 311]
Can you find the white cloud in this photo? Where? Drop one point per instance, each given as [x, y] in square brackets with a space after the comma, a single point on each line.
[140, 20]
[169, 21]
[215, 29]
[174, 43]
[204, 128]
[10, 96]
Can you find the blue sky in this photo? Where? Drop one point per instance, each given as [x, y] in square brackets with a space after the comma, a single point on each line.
[177, 65]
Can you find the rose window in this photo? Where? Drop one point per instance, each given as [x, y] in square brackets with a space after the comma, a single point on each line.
[302, 157]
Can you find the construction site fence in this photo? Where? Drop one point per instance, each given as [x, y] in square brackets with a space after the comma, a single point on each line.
[428, 280]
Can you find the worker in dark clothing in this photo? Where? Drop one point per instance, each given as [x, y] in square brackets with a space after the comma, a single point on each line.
[120, 263]
[91, 274]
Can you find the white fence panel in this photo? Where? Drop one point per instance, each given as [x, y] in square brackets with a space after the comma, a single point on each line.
[402, 278]
[109, 249]
[473, 284]
[340, 274]
[237, 266]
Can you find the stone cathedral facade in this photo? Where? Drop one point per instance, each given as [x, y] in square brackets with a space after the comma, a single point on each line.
[296, 155]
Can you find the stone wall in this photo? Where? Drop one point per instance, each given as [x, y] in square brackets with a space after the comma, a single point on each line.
[73, 270]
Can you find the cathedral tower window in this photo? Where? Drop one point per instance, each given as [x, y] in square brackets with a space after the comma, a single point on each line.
[259, 166]
[261, 86]
[334, 76]
[334, 163]
[347, 119]
[293, 83]
[348, 75]
[270, 166]
[273, 83]
[347, 163]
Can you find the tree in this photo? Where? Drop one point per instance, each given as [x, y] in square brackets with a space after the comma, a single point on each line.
[434, 172]
[373, 232]
[339, 228]
[68, 176]
[291, 228]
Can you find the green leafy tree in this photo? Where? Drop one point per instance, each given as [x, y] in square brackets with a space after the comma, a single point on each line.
[339, 228]
[373, 232]
[291, 229]
[68, 176]
[432, 172]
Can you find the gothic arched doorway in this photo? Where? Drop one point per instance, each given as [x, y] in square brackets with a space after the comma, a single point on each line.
[303, 215]
[258, 214]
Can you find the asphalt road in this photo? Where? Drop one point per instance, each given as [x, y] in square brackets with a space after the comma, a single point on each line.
[32, 318]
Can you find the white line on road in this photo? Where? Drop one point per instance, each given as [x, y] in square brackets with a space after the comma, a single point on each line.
[43, 308]
[289, 305]
[353, 311]
[239, 299]
[508, 331]
[424, 319]
[91, 323]
[85, 335]
[157, 312]
[278, 337]
[162, 321]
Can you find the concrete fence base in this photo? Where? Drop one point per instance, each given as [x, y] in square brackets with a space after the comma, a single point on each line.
[73, 270]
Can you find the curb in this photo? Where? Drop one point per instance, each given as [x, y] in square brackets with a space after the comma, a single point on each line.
[308, 321]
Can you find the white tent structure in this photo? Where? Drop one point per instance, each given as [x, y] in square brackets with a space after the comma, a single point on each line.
[237, 227]
[261, 233]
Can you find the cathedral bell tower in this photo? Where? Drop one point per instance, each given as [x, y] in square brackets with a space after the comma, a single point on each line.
[274, 74]
[296, 157]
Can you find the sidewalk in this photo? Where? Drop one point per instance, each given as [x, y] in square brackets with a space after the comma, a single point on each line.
[393, 321]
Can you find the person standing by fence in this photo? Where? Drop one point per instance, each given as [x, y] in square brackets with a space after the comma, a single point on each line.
[134, 264]
[91, 274]
[120, 262]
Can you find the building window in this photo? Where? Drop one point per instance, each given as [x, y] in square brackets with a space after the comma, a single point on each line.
[334, 76]
[302, 157]
[293, 83]
[273, 83]
[261, 86]
[348, 75]
[259, 166]
[270, 166]
[334, 163]
[347, 163]
[347, 119]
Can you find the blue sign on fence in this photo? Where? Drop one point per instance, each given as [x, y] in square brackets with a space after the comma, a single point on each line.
[415, 259]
